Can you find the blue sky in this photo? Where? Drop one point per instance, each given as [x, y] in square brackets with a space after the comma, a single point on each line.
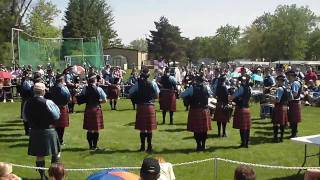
[135, 18]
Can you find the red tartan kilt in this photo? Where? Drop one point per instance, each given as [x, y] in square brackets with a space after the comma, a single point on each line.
[93, 119]
[64, 117]
[167, 100]
[113, 92]
[280, 114]
[221, 115]
[146, 117]
[199, 120]
[294, 113]
[242, 118]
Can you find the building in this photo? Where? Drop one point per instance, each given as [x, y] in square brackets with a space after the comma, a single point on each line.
[125, 57]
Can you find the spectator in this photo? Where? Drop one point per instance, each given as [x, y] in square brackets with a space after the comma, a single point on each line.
[57, 172]
[150, 169]
[244, 172]
[6, 172]
[166, 170]
[312, 174]
[311, 75]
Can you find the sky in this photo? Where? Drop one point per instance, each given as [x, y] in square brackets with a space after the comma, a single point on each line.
[135, 18]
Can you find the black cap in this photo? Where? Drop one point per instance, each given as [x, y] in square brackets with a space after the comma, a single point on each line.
[150, 166]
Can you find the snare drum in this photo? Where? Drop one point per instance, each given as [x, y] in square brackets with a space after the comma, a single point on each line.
[266, 110]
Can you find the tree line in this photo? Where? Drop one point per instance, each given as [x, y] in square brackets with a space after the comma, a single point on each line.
[288, 33]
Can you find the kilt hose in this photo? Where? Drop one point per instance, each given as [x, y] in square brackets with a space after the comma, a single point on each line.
[113, 92]
[199, 120]
[280, 114]
[146, 117]
[93, 119]
[294, 113]
[64, 117]
[222, 114]
[167, 100]
[242, 118]
[43, 142]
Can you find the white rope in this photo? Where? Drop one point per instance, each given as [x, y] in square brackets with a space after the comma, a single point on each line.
[181, 164]
[265, 166]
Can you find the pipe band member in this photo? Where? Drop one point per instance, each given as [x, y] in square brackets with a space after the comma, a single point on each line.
[280, 113]
[92, 96]
[242, 115]
[223, 111]
[167, 96]
[113, 92]
[26, 94]
[41, 115]
[71, 84]
[295, 103]
[145, 92]
[61, 96]
[199, 119]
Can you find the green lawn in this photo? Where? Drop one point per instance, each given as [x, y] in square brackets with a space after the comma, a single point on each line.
[173, 143]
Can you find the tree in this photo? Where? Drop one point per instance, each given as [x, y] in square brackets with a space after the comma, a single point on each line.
[39, 22]
[313, 52]
[84, 18]
[139, 44]
[166, 41]
[224, 40]
[11, 14]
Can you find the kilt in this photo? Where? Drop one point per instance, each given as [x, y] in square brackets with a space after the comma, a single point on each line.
[64, 117]
[44, 142]
[294, 113]
[242, 118]
[113, 92]
[167, 100]
[93, 119]
[146, 117]
[199, 120]
[221, 114]
[280, 114]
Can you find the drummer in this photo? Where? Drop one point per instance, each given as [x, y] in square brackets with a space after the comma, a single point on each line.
[280, 113]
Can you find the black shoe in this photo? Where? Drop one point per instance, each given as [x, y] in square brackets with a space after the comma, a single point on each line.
[242, 145]
[149, 149]
[224, 135]
[142, 148]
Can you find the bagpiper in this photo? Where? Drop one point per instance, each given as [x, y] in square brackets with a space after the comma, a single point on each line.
[199, 119]
[61, 96]
[167, 96]
[242, 115]
[41, 115]
[92, 96]
[280, 112]
[294, 103]
[145, 92]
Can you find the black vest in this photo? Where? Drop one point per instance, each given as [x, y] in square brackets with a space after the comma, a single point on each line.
[57, 96]
[285, 97]
[38, 114]
[166, 83]
[200, 96]
[92, 96]
[222, 94]
[243, 101]
[146, 93]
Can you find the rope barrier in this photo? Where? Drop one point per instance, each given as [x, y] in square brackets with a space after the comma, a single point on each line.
[181, 164]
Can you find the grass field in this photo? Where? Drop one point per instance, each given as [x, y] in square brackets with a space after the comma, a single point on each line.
[174, 143]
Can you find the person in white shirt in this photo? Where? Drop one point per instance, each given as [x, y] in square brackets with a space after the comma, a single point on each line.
[166, 170]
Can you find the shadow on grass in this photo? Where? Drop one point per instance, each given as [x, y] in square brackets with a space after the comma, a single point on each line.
[121, 110]
[130, 124]
[269, 128]
[180, 124]
[19, 145]
[10, 129]
[10, 125]
[261, 122]
[15, 121]
[74, 149]
[11, 135]
[292, 177]
[173, 130]
[254, 140]
[13, 140]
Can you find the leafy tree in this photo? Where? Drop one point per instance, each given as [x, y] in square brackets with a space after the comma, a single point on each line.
[139, 44]
[84, 18]
[166, 41]
[313, 52]
[224, 40]
[39, 21]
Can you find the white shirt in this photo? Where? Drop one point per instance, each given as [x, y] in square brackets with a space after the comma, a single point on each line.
[166, 172]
